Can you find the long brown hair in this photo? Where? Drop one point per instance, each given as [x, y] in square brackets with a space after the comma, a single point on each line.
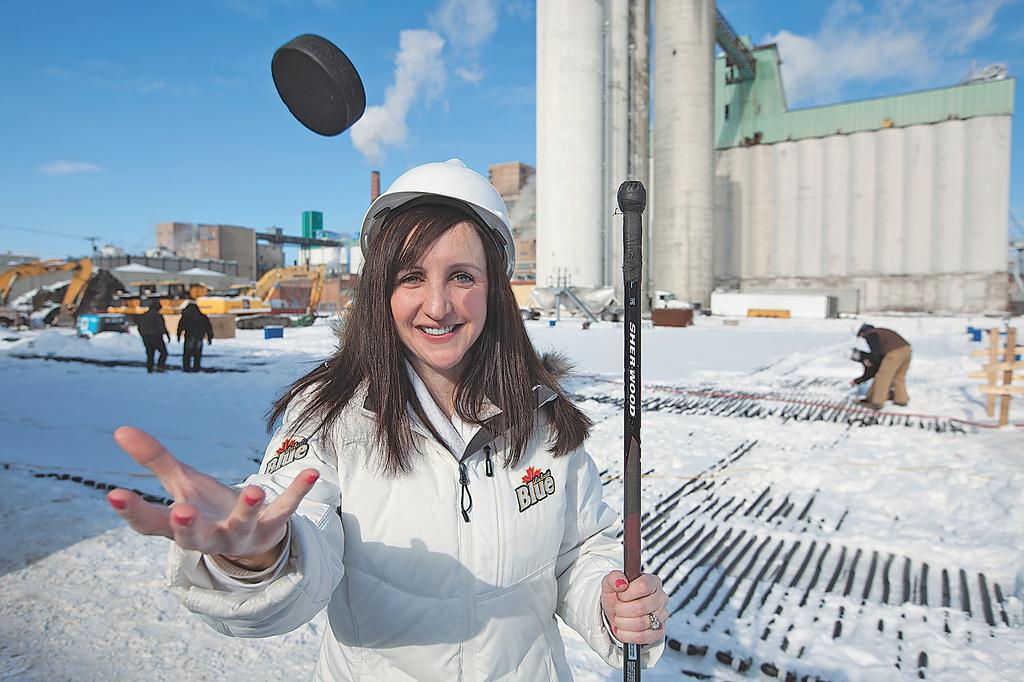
[503, 365]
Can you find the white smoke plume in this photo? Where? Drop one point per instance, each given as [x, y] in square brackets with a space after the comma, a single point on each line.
[525, 206]
[419, 74]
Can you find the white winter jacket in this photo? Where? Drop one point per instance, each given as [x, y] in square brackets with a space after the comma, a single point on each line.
[414, 590]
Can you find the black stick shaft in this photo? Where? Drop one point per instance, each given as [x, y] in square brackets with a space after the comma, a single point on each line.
[632, 198]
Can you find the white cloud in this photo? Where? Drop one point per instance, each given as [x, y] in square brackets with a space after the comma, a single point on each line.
[151, 86]
[470, 74]
[520, 9]
[965, 21]
[467, 25]
[909, 41]
[818, 69]
[63, 167]
[112, 76]
[420, 75]
[463, 26]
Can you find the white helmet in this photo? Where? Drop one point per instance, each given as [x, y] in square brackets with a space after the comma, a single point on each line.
[452, 180]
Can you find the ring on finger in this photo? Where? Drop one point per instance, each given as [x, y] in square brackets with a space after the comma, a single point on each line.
[655, 623]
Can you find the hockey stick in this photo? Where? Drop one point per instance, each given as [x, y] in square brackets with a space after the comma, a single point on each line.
[632, 198]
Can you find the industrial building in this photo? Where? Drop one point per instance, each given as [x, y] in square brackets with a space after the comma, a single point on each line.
[891, 203]
[902, 199]
[220, 242]
[257, 252]
[345, 257]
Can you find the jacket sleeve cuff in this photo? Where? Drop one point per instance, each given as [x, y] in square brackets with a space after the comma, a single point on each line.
[272, 607]
[230, 577]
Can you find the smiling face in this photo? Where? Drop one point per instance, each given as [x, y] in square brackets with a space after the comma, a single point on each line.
[439, 304]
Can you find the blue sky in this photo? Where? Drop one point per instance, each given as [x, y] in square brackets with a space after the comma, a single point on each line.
[120, 115]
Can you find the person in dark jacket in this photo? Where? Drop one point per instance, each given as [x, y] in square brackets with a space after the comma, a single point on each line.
[890, 357]
[195, 326]
[153, 330]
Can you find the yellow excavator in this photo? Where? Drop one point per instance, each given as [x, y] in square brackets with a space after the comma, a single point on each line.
[81, 268]
[252, 305]
[172, 296]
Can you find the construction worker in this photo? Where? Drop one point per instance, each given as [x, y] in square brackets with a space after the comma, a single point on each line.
[195, 326]
[890, 354]
[153, 330]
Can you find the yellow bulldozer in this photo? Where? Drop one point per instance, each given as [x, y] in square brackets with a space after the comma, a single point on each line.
[82, 269]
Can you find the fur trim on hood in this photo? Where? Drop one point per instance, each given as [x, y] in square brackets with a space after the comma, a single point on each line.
[559, 364]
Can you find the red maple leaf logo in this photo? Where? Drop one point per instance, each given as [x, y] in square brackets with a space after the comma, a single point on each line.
[286, 445]
[531, 473]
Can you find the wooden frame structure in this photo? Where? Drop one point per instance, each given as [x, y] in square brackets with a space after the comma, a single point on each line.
[999, 373]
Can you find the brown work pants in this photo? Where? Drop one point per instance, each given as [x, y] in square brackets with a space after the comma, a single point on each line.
[891, 374]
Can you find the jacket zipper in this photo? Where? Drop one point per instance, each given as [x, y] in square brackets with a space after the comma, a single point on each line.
[467, 648]
[466, 500]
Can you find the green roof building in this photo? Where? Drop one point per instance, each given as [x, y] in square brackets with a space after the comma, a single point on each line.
[890, 203]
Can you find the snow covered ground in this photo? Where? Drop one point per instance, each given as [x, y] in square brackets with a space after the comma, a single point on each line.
[796, 533]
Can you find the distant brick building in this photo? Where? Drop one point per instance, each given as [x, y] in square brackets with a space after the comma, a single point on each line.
[268, 257]
[220, 242]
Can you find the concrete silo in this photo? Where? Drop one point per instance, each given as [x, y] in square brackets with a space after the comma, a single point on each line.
[570, 142]
[682, 186]
[616, 130]
[889, 203]
[592, 125]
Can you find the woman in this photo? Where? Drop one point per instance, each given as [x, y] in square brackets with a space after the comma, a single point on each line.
[428, 485]
[195, 326]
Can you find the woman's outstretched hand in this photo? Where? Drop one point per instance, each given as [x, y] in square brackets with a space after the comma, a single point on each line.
[628, 606]
[207, 515]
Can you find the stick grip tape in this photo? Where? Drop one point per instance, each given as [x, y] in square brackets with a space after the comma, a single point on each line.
[632, 198]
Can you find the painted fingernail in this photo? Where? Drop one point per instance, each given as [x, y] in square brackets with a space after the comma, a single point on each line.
[116, 503]
[252, 499]
[182, 520]
[615, 630]
[620, 583]
[312, 476]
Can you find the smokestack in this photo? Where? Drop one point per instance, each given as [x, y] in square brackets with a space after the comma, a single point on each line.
[374, 185]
